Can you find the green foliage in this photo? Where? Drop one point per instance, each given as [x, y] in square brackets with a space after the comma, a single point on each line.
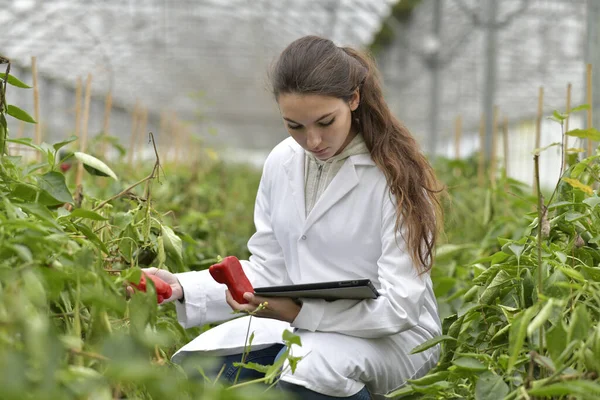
[521, 310]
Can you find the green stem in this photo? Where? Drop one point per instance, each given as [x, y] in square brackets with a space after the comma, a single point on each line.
[245, 351]
[541, 215]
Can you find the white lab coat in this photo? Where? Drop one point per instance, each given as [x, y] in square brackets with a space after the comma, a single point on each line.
[349, 234]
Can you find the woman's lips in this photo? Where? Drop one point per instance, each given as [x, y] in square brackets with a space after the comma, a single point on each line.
[320, 151]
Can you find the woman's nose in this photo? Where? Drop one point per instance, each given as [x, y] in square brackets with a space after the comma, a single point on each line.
[313, 139]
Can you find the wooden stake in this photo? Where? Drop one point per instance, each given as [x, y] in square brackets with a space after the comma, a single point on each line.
[105, 126]
[506, 151]
[162, 134]
[505, 143]
[20, 133]
[566, 128]
[457, 136]
[178, 136]
[538, 122]
[36, 106]
[481, 167]
[84, 131]
[78, 107]
[134, 130]
[589, 111]
[142, 126]
[493, 155]
[538, 126]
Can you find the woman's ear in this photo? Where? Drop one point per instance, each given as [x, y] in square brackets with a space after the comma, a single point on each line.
[354, 100]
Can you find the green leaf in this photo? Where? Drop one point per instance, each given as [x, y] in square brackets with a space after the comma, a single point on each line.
[590, 133]
[253, 366]
[14, 81]
[490, 387]
[470, 364]
[430, 378]
[579, 325]
[291, 338]
[430, 343]
[22, 251]
[172, 243]
[584, 389]
[560, 117]
[592, 202]
[19, 114]
[541, 149]
[541, 317]
[94, 163]
[59, 145]
[92, 237]
[516, 338]
[81, 213]
[582, 107]
[54, 184]
[571, 273]
[26, 142]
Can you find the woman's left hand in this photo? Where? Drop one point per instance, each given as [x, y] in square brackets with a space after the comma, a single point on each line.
[281, 308]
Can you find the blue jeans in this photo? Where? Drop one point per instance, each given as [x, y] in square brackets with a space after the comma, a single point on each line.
[267, 357]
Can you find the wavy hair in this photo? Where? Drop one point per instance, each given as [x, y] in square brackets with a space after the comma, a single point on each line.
[314, 65]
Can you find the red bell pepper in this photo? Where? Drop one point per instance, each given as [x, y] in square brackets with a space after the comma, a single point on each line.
[163, 289]
[230, 272]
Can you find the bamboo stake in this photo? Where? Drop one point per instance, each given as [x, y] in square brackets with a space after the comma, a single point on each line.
[172, 137]
[36, 106]
[78, 106]
[481, 166]
[20, 133]
[178, 136]
[84, 133]
[493, 155]
[105, 126]
[162, 133]
[505, 143]
[589, 111]
[142, 126]
[134, 130]
[566, 138]
[506, 151]
[538, 127]
[457, 136]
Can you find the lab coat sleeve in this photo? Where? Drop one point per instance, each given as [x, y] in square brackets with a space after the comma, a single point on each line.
[398, 308]
[205, 298]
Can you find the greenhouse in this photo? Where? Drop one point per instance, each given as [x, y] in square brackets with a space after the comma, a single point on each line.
[300, 199]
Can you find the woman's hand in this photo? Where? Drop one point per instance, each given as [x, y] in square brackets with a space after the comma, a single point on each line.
[281, 308]
[167, 277]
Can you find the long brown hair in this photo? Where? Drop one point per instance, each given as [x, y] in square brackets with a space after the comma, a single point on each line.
[314, 65]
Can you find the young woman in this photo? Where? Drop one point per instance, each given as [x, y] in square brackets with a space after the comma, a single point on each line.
[348, 196]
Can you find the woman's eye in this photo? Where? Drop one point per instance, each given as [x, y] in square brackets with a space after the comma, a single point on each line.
[294, 126]
[327, 123]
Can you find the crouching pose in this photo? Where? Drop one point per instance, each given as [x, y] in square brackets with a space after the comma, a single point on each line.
[347, 196]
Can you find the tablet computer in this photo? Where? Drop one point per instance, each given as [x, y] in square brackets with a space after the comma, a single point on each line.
[352, 289]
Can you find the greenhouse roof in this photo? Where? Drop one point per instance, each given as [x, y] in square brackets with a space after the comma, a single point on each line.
[191, 56]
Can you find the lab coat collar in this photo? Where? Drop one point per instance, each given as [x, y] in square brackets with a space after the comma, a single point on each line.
[345, 180]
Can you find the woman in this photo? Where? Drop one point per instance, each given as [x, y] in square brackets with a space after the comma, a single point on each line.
[348, 196]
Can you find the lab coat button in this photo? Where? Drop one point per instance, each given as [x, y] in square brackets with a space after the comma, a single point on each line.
[303, 237]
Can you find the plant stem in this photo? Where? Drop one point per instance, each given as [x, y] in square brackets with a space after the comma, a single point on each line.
[245, 350]
[151, 176]
[541, 216]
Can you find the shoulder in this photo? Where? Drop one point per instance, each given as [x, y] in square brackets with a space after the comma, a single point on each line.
[282, 153]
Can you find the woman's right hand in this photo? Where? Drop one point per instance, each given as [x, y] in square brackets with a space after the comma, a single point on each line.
[166, 276]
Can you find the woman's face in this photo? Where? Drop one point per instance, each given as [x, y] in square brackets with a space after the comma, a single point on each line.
[320, 124]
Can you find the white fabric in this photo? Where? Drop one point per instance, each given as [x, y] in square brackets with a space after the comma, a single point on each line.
[349, 234]
[318, 174]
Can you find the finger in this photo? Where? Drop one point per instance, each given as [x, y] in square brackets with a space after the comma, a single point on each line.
[237, 306]
[150, 271]
[129, 291]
